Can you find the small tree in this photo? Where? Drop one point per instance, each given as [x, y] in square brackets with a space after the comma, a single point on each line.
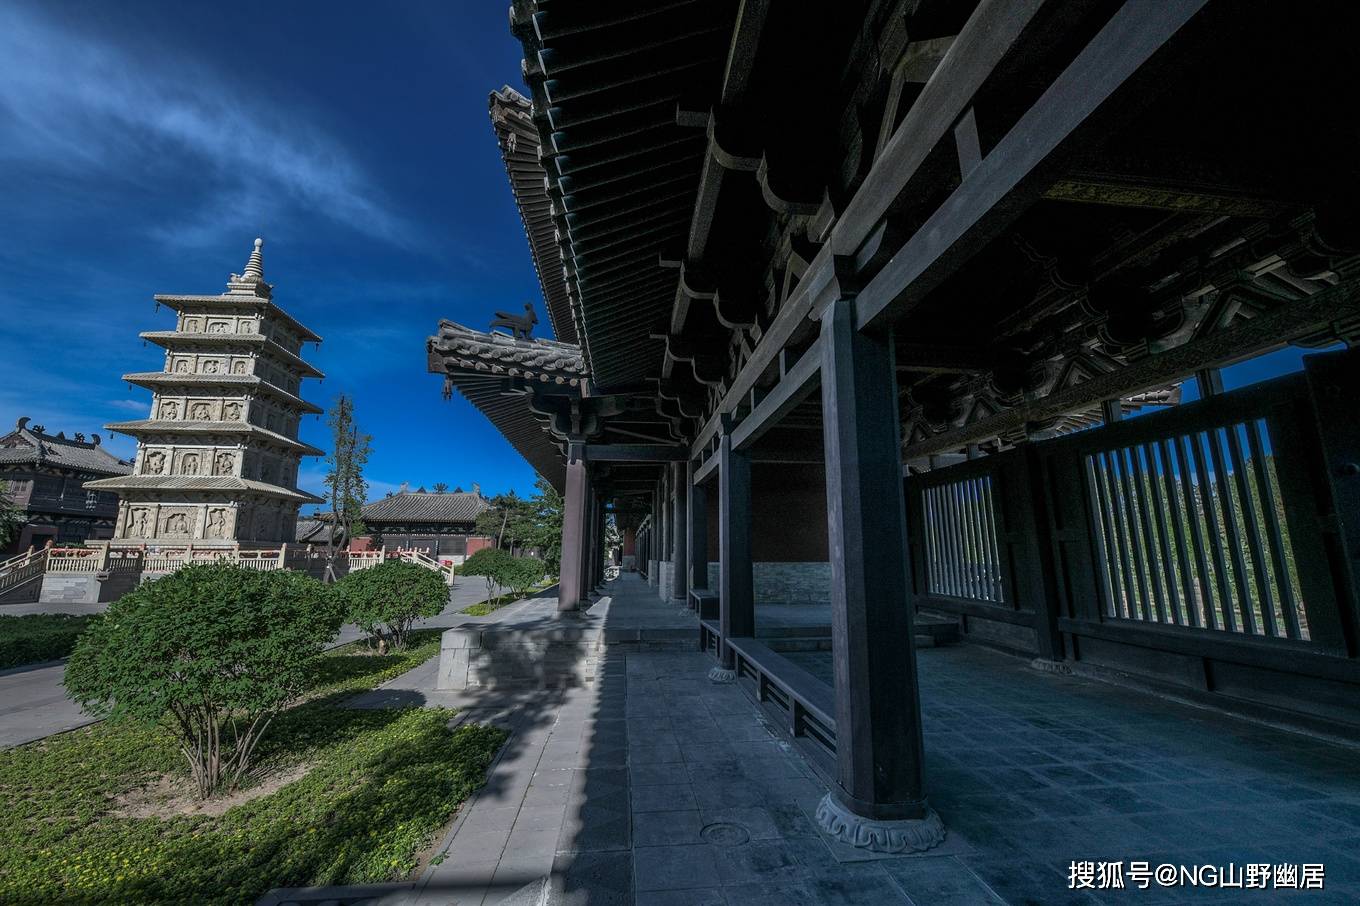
[492, 564]
[520, 573]
[213, 652]
[345, 484]
[385, 600]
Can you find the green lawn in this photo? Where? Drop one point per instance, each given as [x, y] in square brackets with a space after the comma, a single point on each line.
[38, 637]
[380, 787]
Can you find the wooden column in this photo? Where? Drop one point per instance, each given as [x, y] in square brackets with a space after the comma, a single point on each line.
[736, 589]
[879, 802]
[698, 531]
[1333, 385]
[679, 531]
[599, 541]
[575, 532]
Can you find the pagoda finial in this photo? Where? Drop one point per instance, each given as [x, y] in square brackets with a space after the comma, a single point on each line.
[255, 266]
[251, 280]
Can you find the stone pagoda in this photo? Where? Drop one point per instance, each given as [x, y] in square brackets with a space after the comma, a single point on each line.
[217, 461]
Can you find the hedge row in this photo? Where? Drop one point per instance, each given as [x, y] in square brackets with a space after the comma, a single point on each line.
[38, 637]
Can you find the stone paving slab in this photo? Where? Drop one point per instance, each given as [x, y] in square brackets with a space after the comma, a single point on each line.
[656, 787]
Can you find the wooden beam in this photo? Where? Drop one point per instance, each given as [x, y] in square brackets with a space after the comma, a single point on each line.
[704, 472]
[1261, 334]
[636, 453]
[990, 34]
[791, 390]
[1017, 170]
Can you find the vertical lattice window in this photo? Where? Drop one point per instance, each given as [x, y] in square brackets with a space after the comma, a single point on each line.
[962, 551]
[1190, 530]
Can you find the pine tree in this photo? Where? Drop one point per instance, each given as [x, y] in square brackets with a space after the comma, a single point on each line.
[345, 484]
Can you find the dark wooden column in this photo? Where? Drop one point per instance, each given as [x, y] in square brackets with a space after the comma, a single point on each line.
[571, 583]
[679, 531]
[736, 589]
[880, 801]
[599, 540]
[1334, 384]
[698, 531]
[654, 538]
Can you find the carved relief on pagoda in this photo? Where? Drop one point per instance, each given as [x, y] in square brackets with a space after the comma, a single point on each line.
[176, 523]
[168, 409]
[153, 463]
[224, 464]
[218, 524]
[190, 463]
[232, 411]
[139, 523]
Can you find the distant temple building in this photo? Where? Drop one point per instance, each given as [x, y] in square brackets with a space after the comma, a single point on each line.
[45, 474]
[439, 524]
[217, 462]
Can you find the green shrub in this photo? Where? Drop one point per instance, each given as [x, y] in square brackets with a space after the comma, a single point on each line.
[381, 784]
[491, 563]
[38, 637]
[384, 600]
[212, 652]
[522, 573]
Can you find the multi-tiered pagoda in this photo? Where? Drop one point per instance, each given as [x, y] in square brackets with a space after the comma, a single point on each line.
[217, 461]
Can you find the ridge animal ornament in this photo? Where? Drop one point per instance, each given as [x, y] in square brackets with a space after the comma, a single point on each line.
[521, 326]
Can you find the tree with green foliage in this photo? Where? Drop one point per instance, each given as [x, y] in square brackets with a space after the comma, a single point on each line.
[345, 485]
[11, 517]
[521, 573]
[534, 523]
[213, 652]
[492, 564]
[386, 600]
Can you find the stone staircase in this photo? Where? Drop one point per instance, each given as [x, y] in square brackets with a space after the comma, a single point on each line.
[21, 577]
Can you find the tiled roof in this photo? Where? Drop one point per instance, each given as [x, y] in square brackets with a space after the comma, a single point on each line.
[414, 506]
[312, 531]
[153, 380]
[215, 483]
[546, 361]
[518, 140]
[623, 172]
[143, 426]
[182, 339]
[24, 446]
[479, 364]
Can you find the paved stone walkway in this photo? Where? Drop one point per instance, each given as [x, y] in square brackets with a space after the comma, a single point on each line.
[658, 787]
[33, 702]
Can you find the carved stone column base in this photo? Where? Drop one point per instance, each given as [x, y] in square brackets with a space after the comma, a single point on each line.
[912, 835]
[722, 675]
[1062, 668]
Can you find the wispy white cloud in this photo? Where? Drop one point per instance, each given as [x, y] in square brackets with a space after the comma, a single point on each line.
[76, 108]
[138, 406]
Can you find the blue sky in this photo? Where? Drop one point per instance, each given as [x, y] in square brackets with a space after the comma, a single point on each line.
[143, 147]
